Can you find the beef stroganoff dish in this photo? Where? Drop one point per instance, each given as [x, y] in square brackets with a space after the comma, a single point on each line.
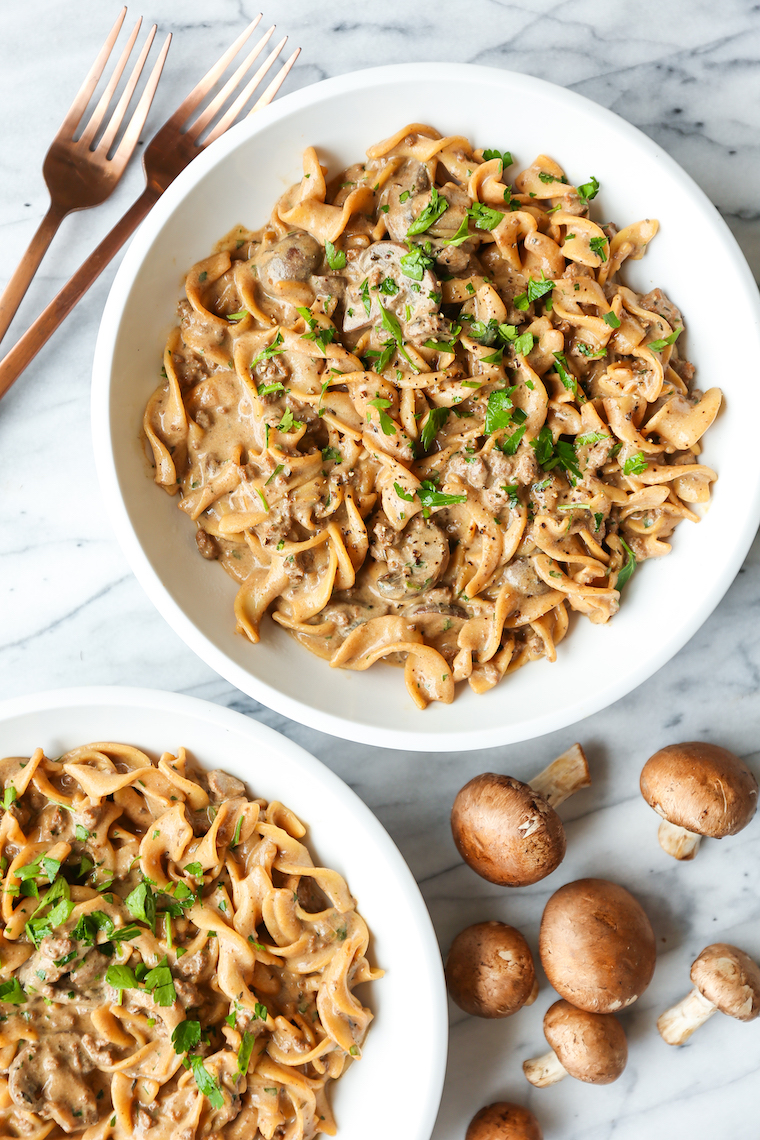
[172, 963]
[418, 416]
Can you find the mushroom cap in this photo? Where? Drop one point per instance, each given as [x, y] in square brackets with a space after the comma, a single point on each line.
[504, 1121]
[489, 970]
[597, 945]
[701, 787]
[591, 1046]
[506, 831]
[728, 977]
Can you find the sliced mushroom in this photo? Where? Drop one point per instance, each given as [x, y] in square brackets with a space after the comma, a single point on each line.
[294, 258]
[489, 970]
[508, 831]
[726, 980]
[597, 945]
[410, 179]
[415, 303]
[698, 789]
[416, 558]
[588, 1046]
[504, 1121]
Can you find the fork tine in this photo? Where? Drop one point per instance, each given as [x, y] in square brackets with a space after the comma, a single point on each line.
[232, 113]
[202, 88]
[121, 107]
[269, 92]
[231, 85]
[140, 114]
[77, 108]
[96, 118]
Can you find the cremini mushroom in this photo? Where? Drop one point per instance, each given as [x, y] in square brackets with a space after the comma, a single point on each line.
[725, 979]
[508, 831]
[504, 1121]
[588, 1046]
[596, 945]
[698, 789]
[489, 970]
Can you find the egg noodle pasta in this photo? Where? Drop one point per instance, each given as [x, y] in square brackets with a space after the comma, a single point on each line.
[419, 418]
[172, 963]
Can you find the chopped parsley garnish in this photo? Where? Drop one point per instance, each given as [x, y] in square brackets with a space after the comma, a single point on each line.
[538, 289]
[485, 332]
[277, 471]
[386, 423]
[548, 178]
[563, 371]
[436, 207]
[485, 217]
[267, 353]
[81, 833]
[445, 345]
[658, 345]
[499, 410]
[161, 985]
[10, 795]
[390, 324]
[588, 190]
[635, 464]
[504, 157]
[388, 287]
[364, 294]
[599, 246]
[12, 992]
[591, 352]
[611, 320]
[415, 263]
[186, 1036]
[207, 1084]
[523, 344]
[121, 978]
[435, 420]
[237, 316]
[331, 453]
[590, 438]
[194, 869]
[141, 903]
[625, 573]
[244, 1052]
[510, 443]
[288, 423]
[550, 454]
[267, 389]
[336, 258]
[379, 361]
[430, 497]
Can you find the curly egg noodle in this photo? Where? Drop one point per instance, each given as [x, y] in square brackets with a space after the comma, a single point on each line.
[172, 963]
[419, 417]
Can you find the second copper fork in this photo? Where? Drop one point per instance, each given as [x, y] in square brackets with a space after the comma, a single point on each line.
[79, 174]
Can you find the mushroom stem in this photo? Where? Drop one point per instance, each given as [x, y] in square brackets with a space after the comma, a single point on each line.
[533, 993]
[563, 777]
[545, 1070]
[676, 1025]
[677, 841]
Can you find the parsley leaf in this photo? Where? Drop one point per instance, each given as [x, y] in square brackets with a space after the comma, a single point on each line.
[590, 438]
[485, 217]
[288, 423]
[462, 233]
[237, 316]
[485, 332]
[658, 345]
[121, 977]
[386, 423]
[523, 344]
[364, 294]
[635, 464]
[430, 497]
[194, 869]
[388, 287]
[268, 353]
[550, 454]
[504, 157]
[538, 289]
[588, 190]
[625, 573]
[391, 325]
[336, 258]
[186, 1036]
[12, 992]
[244, 1052]
[510, 443]
[207, 1084]
[499, 410]
[436, 207]
[415, 263]
[402, 494]
[611, 320]
[563, 371]
[10, 795]
[435, 420]
[161, 984]
[141, 903]
[599, 246]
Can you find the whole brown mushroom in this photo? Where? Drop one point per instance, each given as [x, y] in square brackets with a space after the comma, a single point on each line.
[726, 980]
[489, 970]
[698, 789]
[588, 1046]
[597, 945]
[508, 831]
[504, 1121]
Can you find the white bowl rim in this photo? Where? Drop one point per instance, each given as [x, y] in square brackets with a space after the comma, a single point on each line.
[469, 738]
[161, 701]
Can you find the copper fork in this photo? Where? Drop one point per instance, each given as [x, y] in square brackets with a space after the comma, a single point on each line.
[168, 153]
[79, 174]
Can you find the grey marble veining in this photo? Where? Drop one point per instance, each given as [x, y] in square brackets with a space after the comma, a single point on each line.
[687, 72]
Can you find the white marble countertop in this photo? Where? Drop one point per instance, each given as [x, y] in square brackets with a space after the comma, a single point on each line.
[687, 72]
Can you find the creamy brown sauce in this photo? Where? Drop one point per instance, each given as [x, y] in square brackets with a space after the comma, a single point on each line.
[419, 417]
[172, 964]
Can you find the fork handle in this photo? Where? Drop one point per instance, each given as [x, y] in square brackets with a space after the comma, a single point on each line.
[14, 291]
[25, 350]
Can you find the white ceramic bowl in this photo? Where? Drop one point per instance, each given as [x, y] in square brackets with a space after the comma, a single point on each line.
[342, 834]
[694, 258]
